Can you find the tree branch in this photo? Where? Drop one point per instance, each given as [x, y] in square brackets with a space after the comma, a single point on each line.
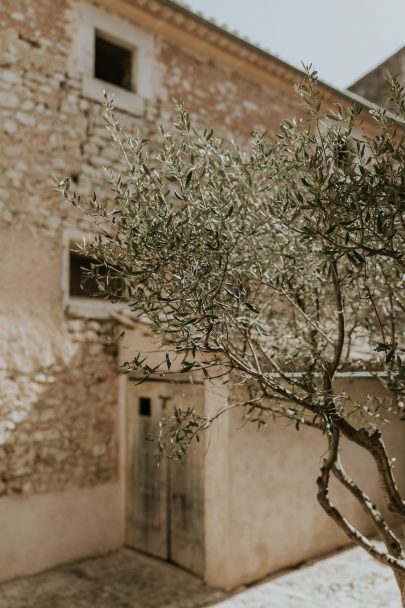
[330, 509]
[391, 541]
[341, 321]
[374, 445]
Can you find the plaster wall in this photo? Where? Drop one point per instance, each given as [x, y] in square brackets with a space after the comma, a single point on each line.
[266, 512]
[261, 514]
[41, 531]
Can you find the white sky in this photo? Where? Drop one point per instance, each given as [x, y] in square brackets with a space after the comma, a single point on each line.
[343, 39]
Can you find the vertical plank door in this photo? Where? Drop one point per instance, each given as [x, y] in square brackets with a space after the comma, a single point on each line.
[147, 499]
[165, 505]
[186, 491]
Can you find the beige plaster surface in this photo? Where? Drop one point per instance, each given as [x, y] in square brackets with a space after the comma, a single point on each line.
[263, 514]
[58, 527]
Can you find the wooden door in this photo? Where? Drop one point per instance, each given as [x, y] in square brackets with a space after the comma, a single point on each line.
[186, 492]
[147, 503]
[165, 504]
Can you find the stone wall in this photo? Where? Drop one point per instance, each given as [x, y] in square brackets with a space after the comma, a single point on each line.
[58, 404]
[59, 385]
[222, 98]
[57, 428]
[372, 86]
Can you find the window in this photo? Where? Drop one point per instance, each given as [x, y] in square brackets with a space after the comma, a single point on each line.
[81, 294]
[145, 408]
[113, 63]
[80, 285]
[342, 153]
[116, 56]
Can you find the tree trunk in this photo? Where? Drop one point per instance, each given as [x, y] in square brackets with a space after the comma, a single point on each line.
[400, 575]
[400, 578]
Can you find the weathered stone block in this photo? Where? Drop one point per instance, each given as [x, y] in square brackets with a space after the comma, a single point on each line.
[8, 100]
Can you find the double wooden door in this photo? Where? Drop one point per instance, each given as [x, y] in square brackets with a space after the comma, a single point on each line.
[165, 504]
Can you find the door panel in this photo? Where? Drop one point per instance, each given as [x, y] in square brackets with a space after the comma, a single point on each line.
[186, 493]
[165, 504]
[147, 485]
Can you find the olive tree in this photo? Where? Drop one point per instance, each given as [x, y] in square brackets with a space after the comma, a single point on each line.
[278, 264]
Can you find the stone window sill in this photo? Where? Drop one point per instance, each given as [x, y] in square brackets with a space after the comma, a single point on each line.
[93, 88]
[92, 308]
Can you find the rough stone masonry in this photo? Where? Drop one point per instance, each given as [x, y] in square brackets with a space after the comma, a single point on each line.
[59, 386]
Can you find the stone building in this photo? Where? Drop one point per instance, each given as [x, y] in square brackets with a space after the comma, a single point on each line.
[372, 85]
[75, 475]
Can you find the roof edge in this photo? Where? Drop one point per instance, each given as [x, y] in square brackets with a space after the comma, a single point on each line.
[176, 14]
[187, 12]
[377, 67]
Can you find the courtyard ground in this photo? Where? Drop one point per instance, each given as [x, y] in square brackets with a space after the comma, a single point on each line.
[126, 579]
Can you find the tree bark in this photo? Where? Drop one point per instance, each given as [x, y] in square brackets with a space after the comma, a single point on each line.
[400, 578]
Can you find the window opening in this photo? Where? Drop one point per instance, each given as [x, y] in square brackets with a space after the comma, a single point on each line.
[84, 286]
[145, 406]
[343, 153]
[80, 284]
[113, 63]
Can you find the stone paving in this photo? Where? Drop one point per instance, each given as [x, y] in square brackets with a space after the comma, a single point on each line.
[124, 579]
[127, 579]
[349, 579]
